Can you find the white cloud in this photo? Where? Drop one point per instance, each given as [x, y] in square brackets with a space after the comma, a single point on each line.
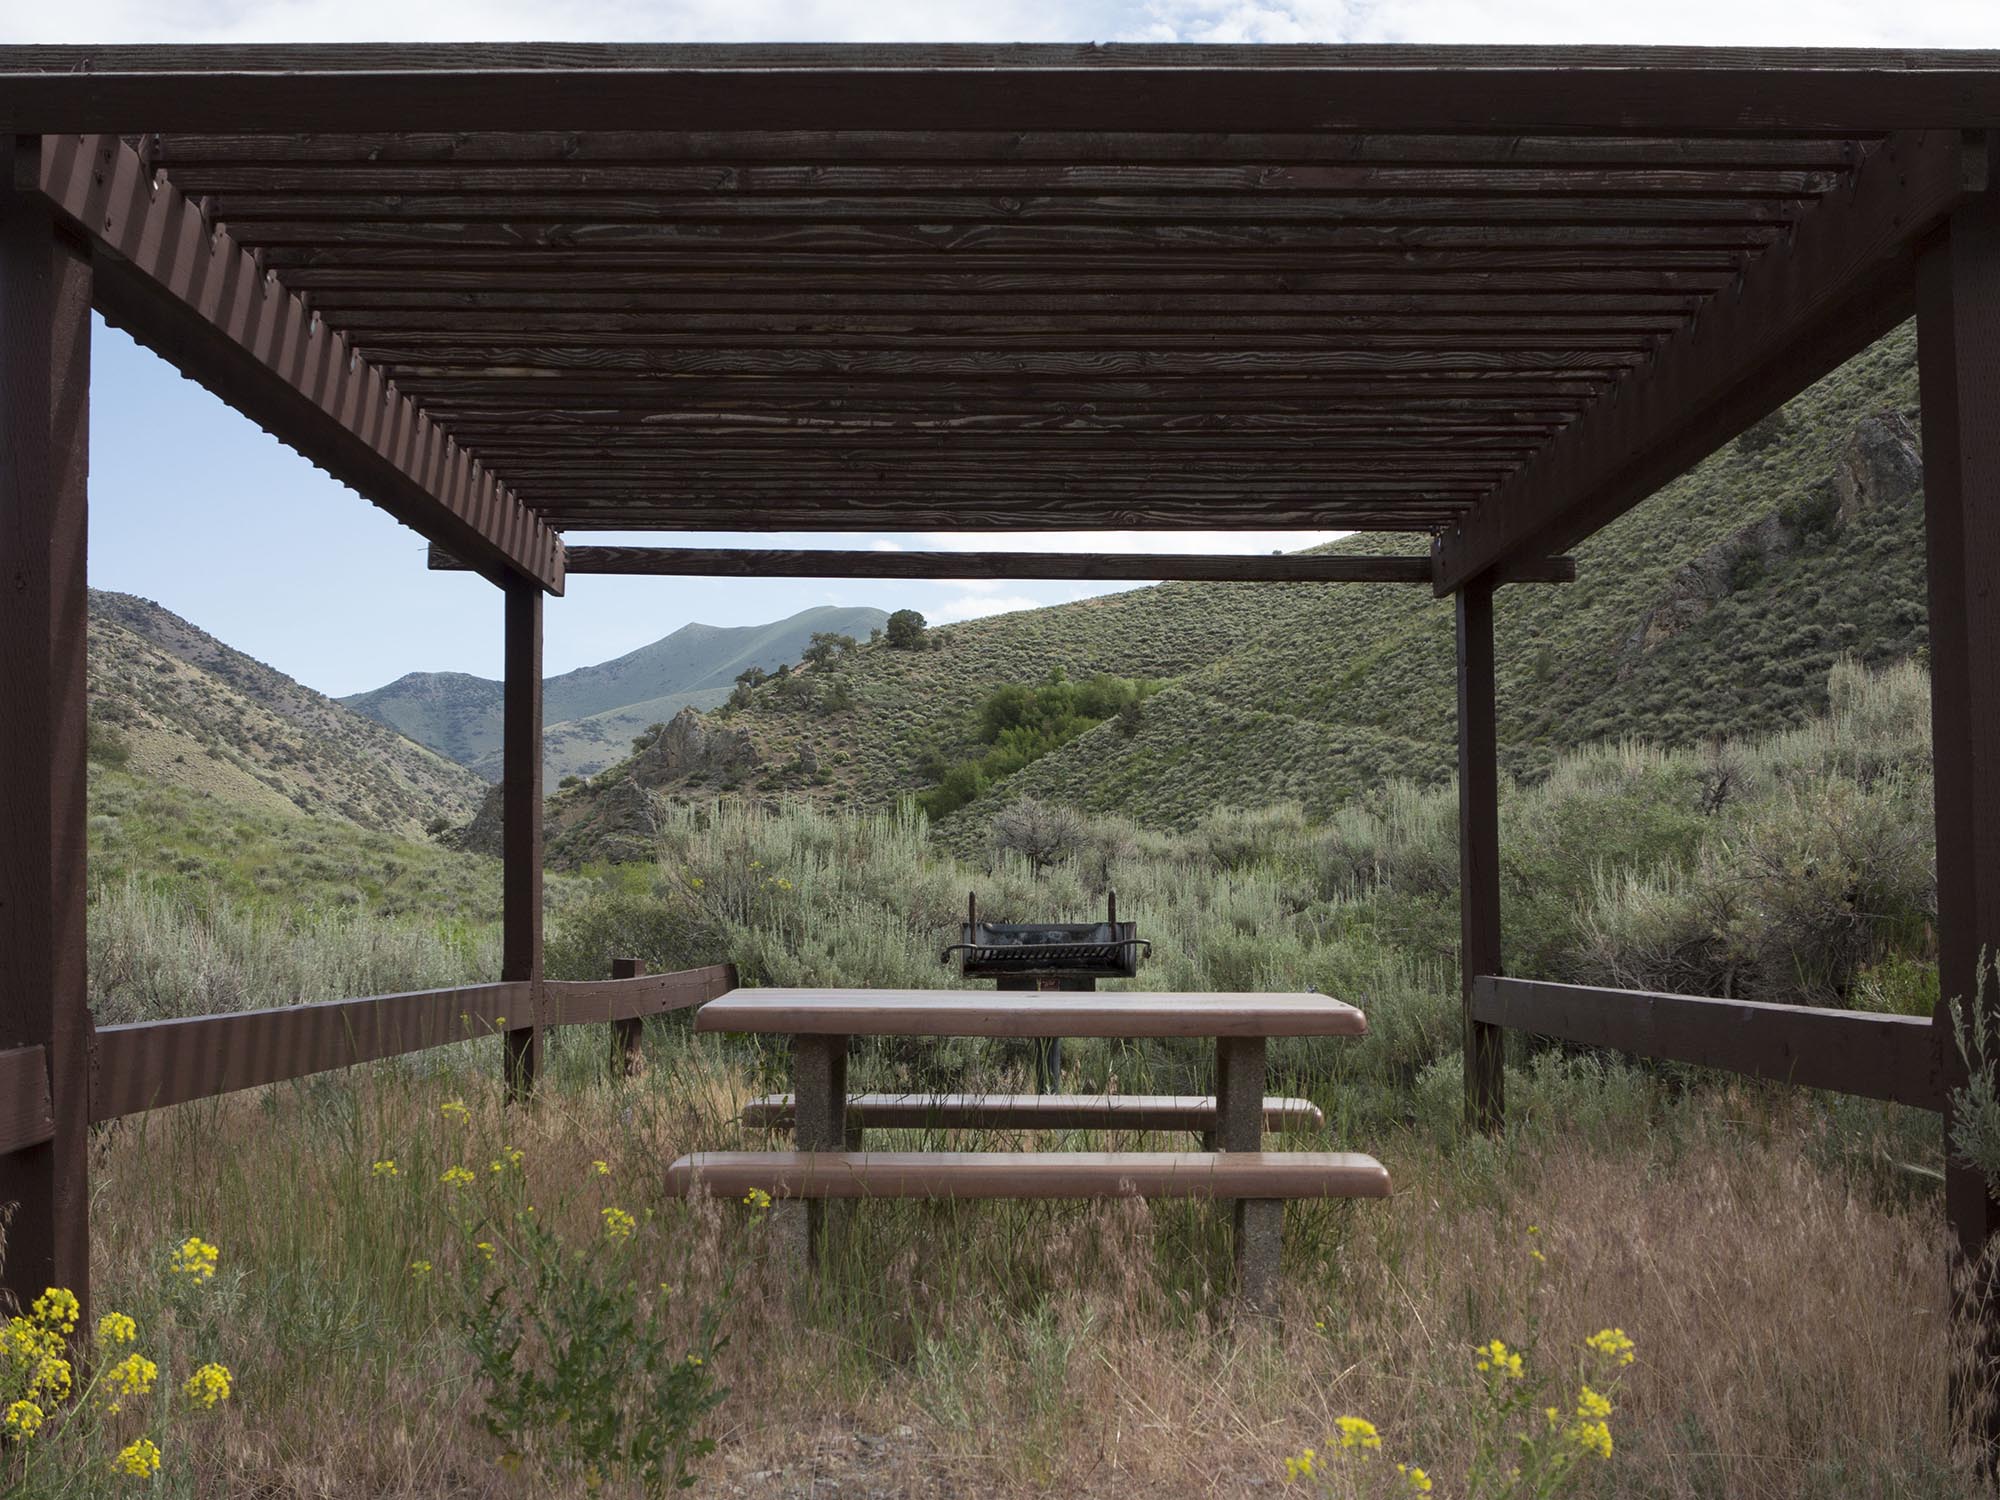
[978, 606]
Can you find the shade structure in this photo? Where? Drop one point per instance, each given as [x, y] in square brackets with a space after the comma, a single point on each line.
[1487, 295]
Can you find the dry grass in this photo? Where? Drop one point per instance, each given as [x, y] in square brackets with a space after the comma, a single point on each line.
[1790, 1321]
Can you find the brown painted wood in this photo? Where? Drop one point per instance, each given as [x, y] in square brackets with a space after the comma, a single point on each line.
[574, 150]
[1036, 1112]
[1852, 1052]
[1958, 321]
[152, 1064]
[628, 1033]
[45, 291]
[596, 1002]
[1041, 1174]
[753, 562]
[27, 1116]
[521, 815]
[849, 1012]
[188, 291]
[1479, 942]
[926, 87]
[1845, 277]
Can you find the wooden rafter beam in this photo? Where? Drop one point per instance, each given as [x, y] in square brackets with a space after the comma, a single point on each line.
[1845, 277]
[186, 290]
[925, 87]
[771, 562]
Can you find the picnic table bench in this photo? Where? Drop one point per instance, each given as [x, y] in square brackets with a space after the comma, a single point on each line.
[820, 1022]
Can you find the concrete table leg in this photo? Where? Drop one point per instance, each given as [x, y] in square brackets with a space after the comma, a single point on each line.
[819, 1093]
[1239, 1126]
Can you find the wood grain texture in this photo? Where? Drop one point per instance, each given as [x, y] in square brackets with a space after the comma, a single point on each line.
[26, 1115]
[152, 1064]
[755, 562]
[45, 292]
[1846, 276]
[1016, 1174]
[1036, 1112]
[849, 1012]
[875, 87]
[521, 916]
[1852, 1052]
[1479, 942]
[184, 288]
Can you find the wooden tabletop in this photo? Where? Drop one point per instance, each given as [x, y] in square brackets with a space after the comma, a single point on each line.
[823, 1012]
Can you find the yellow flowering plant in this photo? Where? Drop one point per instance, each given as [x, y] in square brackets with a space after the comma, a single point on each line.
[585, 1375]
[68, 1422]
[1538, 1433]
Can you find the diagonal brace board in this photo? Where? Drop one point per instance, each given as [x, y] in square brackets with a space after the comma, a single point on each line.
[185, 289]
[1844, 278]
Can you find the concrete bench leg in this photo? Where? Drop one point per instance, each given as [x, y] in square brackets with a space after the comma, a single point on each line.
[819, 1092]
[1259, 1223]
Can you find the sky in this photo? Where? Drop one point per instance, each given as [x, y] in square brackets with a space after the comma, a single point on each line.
[194, 506]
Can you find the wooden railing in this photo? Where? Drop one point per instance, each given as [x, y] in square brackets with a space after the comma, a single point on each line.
[152, 1064]
[1854, 1052]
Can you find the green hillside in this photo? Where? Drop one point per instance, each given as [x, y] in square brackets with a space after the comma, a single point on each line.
[175, 705]
[1715, 608]
[591, 714]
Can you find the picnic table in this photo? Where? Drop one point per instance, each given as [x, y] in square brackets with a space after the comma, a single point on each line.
[821, 1022]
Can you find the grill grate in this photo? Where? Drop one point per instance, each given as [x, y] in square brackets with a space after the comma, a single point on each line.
[1059, 950]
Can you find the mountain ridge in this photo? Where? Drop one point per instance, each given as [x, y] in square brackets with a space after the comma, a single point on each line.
[591, 714]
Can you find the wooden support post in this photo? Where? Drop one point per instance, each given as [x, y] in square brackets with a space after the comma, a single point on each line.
[627, 1035]
[819, 1102]
[1479, 851]
[1258, 1223]
[521, 806]
[44, 468]
[1958, 328]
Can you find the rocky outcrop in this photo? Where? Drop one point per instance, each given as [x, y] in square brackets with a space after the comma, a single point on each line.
[1881, 464]
[689, 746]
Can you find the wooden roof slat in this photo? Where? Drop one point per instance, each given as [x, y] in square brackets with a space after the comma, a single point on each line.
[190, 292]
[1845, 278]
[469, 87]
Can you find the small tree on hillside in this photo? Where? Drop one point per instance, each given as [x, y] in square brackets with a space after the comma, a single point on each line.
[827, 646]
[1041, 833]
[906, 630]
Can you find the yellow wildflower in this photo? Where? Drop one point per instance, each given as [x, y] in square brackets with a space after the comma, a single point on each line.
[116, 1328]
[458, 1176]
[208, 1385]
[1537, 1256]
[485, 1248]
[1592, 1437]
[1357, 1432]
[695, 1360]
[1589, 1404]
[23, 1419]
[1302, 1467]
[618, 1224]
[1612, 1344]
[757, 1198]
[56, 1309]
[1418, 1481]
[455, 1111]
[1496, 1358]
[131, 1376]
[196, 1259]
[53, 1378]
[420, 1269]
[601, 1168]
[139, 1459]
[386, 1168]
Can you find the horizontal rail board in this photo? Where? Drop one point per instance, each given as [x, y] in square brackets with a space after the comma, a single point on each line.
[1031, 1174]
[576, 1002]
[1852, 1052]
[1131, 1013]
[151, 1064]
[1034, 1112]
[27, 1117]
